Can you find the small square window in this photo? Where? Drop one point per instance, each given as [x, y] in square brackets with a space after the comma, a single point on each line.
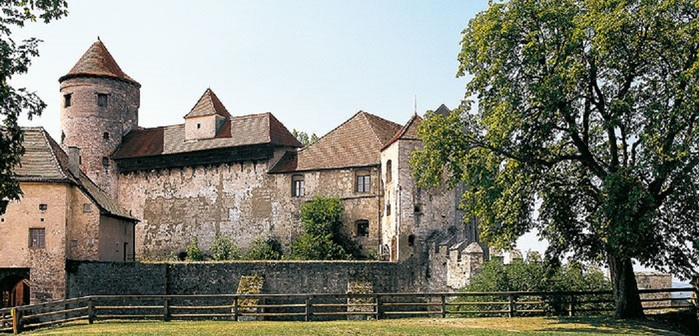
[37, 238]
[87, 207]
[105, 162]
[105, 136]
[73, 243]
[362, 228]
[101, 99]
[43, 207]
[66, 100]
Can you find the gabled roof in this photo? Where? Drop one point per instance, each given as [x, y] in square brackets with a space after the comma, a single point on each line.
[443, 110]
[408, 132]
[253, 129]
[208, 104]
[45, 161]
[97, 62]
[355, 143]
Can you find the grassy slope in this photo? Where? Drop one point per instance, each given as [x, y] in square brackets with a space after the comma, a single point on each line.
[465, 326]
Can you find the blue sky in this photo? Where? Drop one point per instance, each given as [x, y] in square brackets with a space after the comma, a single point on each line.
[313, 64]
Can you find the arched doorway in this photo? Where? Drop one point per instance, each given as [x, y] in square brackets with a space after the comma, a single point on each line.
[14, 291]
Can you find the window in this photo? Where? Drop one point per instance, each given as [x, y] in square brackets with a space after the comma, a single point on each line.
[63, 136]
[298, 188]
[43, 207]
[66, 99]
[389, 171]
[105, 136]
[198, 126]
[363, 182]
[362, 228]
[37, 238]
[87, 207]
[73, 243]
[105, 162]
[411, 240]
[101, 99]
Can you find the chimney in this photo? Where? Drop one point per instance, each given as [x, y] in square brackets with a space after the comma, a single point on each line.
[74, 160]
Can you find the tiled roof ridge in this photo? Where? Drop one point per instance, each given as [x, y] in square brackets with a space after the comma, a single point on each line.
[210, 99]
[402, 131]
[367, 116]
[332, 130]
[54, 156]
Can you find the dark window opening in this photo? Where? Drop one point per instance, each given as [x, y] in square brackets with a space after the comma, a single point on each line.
[298, 187]
[362, 228]
[37, 238]
[63, 137]
[101, 99]
[105, 136]
[66, 100]
[363, 183]
[389, 171]
[198, 126]
[411, 240]
[73, 243]
[43, 207]
[105, 161]
[388, 209]
[417, 208]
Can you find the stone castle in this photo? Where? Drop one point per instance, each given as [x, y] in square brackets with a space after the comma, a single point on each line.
[110, 190]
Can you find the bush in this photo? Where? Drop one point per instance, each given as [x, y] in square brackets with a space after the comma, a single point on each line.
[224, 249]
[260, 249]
[193, 252]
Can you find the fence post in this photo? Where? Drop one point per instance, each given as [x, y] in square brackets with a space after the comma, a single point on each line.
[166, 309]
[16, 321]
[571, 306]
[90, 311]
[235, 308]
[308, 309]
[444, 306]
[511, 308]
[379, 308]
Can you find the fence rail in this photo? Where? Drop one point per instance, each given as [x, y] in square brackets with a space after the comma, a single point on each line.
[309, 307]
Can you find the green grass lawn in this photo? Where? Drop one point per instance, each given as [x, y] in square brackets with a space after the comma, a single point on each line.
[449, 326]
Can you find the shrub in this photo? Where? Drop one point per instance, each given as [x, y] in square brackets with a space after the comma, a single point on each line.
[260, 249]
[193, 252]
[223, 248]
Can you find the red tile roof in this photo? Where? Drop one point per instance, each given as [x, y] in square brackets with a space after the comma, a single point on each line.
[355, 143]
[254, 129]
[97, 61]
[208, 104]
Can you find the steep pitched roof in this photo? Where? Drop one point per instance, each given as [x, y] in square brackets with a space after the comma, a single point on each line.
[208, 104]
[443, 110]
[253, 129]
[408, 132]
[355, 143]
[97, 62]
[45, 161]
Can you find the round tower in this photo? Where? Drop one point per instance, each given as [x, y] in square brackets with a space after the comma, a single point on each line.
[99, 105]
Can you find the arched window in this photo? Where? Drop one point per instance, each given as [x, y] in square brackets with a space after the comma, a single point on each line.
[389, 171]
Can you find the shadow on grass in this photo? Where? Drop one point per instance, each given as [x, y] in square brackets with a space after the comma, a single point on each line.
[609, 325]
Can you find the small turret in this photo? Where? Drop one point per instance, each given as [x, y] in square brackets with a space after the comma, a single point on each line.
[99, 106]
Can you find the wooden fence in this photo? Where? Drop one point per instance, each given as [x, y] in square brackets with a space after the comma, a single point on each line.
[309, 307]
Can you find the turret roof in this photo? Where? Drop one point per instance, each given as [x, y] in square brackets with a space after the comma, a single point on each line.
[208, 104]
[97, 62]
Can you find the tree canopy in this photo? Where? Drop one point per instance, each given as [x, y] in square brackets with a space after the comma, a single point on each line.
[15, 59]
[585, 129]
[303, 137]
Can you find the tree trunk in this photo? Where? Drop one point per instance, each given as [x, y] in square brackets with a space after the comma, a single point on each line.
[625, 288]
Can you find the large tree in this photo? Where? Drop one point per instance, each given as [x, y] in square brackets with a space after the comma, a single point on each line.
[585, 129]
[15, 59]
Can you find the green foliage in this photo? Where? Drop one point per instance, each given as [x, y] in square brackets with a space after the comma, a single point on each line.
[193, 252]
[223, 248]
[323, 238]
[533, 275]
[303, 137]
[261, 249]
[587, 111]
[16, 59]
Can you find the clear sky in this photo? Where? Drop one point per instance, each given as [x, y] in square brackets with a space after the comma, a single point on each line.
[313, 64]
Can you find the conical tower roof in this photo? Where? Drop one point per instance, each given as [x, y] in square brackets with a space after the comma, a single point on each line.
[97, 62]
[208, 104]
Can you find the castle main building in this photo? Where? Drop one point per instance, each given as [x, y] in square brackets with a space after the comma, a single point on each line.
[242, 175]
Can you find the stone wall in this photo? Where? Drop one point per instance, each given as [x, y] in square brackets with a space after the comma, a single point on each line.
[94, 278]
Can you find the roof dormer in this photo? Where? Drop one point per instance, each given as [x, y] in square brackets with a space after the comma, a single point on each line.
[206, 118]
